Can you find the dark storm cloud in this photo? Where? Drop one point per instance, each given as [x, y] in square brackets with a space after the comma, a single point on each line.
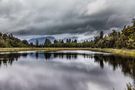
[64, 16]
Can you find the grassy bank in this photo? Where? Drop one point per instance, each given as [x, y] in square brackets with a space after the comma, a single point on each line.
[122, 52]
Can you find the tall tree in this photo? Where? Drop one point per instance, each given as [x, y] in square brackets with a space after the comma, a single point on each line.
[101, 34]
[62, 41]
[55, 41]
[47, 42]
[133, 20]
[25, 42]
[37, 43]
[75, 41]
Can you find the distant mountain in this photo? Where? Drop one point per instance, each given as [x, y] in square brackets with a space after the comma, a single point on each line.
[41, 40]
[71, 38]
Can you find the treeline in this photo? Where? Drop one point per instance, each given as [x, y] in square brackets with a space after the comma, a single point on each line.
[8, 40]
[122, 39]
[57, 43]
[116, 39]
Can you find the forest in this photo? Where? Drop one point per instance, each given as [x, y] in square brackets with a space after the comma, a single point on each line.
[124, 38]
[9, 41]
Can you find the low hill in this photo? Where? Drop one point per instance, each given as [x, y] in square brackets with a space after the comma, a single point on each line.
[8, 40]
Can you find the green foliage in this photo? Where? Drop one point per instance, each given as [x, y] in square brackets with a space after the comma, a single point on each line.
[116, 39]
[8, 40]
[130, 87]
[101, 34]
[47, 43]
[133, 21]
[61, 43]
[37, 43]
[123, 39]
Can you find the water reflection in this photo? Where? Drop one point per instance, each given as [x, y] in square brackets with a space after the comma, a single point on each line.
[127, 64]
[69, 75]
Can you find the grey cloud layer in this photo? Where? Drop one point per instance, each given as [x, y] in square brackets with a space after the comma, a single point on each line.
[63, 16]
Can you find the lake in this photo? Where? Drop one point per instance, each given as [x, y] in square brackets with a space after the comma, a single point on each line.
[65, 70]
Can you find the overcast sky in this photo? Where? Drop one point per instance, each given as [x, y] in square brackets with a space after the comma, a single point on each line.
[64, 16]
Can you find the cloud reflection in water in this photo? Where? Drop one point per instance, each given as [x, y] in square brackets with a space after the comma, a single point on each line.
[78, 73]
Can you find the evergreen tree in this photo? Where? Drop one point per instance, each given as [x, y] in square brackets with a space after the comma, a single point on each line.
[133, 20]
[37, 43]
[62, 41]
[75, 41]
[25, 42]
[67, 41]
[101, 34]
[47, 43]
[55, 41]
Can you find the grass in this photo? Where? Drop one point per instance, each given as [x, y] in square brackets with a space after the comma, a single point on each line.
[121, 52]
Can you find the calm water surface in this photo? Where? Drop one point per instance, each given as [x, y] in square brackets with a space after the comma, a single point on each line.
[65, 70]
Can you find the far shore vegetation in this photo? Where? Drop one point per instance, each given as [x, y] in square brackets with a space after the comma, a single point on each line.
[117, 39]
[120, 42]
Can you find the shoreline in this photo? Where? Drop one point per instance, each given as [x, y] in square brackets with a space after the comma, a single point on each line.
[120, 52]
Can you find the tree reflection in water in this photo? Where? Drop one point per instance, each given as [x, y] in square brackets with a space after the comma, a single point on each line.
[127, 64]
[8, 59]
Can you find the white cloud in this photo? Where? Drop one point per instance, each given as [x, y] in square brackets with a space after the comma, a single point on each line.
[96, 6]
[48, 15]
